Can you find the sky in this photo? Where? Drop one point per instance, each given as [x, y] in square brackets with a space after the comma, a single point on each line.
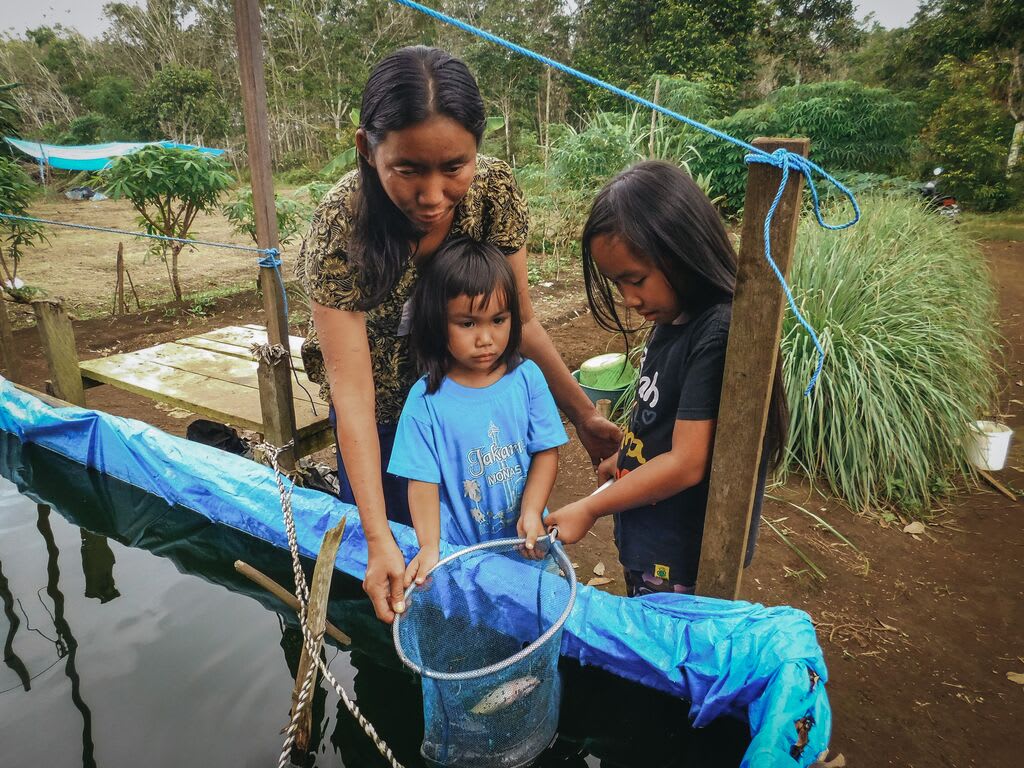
[87, 15]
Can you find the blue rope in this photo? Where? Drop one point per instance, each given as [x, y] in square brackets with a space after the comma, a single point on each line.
[270, 257]
[781, 158]
[272, 261]
[129, 233]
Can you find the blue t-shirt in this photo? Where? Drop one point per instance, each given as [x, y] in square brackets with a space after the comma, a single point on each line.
[476, 444]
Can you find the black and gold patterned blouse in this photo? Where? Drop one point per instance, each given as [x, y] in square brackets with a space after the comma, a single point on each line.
[493, 211]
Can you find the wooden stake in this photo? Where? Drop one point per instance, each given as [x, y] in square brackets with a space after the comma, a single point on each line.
[750, 362]
[8, 353]
[604, 407]
[316, 622]
[286, 597]
[119, 306]
[58, 338]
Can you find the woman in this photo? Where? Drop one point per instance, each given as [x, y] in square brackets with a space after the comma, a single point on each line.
[419, 183]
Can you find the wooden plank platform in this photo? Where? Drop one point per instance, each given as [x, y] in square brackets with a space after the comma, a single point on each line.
[214, 375]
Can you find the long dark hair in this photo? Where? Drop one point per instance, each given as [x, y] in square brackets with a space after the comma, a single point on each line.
[404, 89]
[461, 267]
[665, 218]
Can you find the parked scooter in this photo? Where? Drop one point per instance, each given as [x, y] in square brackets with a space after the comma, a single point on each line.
[944, 205]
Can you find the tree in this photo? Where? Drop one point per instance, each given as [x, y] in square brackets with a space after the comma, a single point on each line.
[799, 35]
[168, 188]
[180, 103]
[624, 41]
[963, 30]
[967, 133]
[292, 216]
[16, 191]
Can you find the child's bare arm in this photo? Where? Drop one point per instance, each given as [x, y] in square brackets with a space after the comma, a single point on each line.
[425, 508]
[539, 482]
[682, 467]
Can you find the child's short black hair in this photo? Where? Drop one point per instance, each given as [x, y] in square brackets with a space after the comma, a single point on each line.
[461, 267]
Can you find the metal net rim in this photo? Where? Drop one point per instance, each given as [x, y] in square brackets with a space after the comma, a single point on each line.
[556, 551]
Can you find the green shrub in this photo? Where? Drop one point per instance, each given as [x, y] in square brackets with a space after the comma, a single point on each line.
[904, 307]
[968, 134]
[292, 215]
[16, 192]
[851, 127]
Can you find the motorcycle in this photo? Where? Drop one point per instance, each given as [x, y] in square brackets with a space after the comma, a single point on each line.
[942, 204]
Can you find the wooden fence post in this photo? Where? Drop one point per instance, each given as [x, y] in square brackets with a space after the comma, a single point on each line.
[275, 383]
[750, 362]
[58, 338]
[8, 354]
[119, 306]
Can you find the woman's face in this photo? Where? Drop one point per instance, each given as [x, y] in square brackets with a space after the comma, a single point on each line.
[426, 169]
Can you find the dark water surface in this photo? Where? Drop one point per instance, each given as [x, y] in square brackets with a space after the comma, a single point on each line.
[129, 639]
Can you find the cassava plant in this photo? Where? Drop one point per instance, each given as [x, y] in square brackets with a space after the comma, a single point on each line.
[168, 187]
[16, 191]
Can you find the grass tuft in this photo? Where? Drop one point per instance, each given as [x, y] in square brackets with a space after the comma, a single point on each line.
[904, 306]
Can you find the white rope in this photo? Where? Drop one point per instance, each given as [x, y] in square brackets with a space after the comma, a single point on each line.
[312, 643]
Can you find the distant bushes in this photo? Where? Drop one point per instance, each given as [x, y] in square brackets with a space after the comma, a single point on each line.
[852, 127]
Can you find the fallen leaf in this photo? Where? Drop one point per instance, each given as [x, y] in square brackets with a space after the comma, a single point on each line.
[575, 565]
[599, 569]
[916, 528]
[1015, 677]
[599, 581]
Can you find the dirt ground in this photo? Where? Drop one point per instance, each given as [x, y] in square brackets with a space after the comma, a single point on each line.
[919, 632]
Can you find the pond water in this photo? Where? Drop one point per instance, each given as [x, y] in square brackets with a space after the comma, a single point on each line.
[130, 639]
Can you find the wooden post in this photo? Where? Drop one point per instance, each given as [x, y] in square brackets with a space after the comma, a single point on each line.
[750, 362]
[277, 407]
[8, 354]
[58, 338]
[275, 383]
[254, 96]
[119, 306]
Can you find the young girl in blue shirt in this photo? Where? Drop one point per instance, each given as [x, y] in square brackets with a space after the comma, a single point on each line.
[654, 238]
[479, 434]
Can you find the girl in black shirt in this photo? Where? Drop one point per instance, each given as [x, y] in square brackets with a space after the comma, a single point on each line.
[655, 239]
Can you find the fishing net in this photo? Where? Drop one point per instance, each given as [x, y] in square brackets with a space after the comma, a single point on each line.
[489, 664]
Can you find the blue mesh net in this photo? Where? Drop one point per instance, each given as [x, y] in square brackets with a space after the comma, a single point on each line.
[489, 665]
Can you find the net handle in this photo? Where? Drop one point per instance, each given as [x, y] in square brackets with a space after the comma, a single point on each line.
[558, 553]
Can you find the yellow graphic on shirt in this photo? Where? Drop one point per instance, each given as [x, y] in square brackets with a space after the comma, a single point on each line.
[661, 571]
[633, 446]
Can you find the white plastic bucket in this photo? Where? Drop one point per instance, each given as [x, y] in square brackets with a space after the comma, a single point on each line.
[988, 445]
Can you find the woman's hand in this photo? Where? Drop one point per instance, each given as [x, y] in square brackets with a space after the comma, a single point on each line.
[531, 527]
[599, 436]
[572, 521]
[384, 581]
[420, 565]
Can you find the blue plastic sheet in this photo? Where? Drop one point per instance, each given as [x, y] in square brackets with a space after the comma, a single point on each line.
[725, 657]
[91, 157]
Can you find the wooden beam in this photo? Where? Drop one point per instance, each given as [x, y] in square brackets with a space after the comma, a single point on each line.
[750, 362]
[254, 97]
[8, 353]
[58, 338]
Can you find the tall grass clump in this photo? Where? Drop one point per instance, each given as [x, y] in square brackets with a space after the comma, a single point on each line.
[905, 309]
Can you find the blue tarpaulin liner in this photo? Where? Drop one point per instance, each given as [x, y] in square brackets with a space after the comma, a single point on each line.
[91, 157]
[726, 657]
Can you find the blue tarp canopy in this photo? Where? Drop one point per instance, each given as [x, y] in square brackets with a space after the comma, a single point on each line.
[762, 664]
[91, 157]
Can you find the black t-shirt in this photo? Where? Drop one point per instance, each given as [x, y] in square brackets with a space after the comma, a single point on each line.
[680, 378]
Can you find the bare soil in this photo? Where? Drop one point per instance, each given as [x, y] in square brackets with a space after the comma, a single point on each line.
[919, 631]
